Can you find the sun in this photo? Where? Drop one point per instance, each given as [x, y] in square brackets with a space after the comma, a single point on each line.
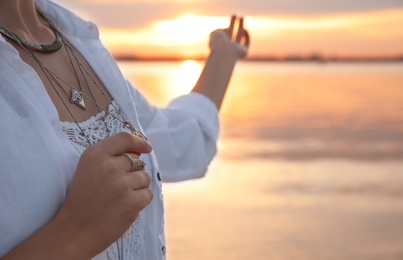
[187, 29]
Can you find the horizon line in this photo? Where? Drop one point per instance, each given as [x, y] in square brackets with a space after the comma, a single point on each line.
[276, 58]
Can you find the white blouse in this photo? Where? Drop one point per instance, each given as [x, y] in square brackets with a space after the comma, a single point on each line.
[38, 160]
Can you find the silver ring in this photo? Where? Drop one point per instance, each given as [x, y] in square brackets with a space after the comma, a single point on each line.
[137, 163]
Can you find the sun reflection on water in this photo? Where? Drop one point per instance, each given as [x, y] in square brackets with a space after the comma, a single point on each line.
[185, 77]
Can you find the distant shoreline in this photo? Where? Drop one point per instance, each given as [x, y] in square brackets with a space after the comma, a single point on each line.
[312, 58]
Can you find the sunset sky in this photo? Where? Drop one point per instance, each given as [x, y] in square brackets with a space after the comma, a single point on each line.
[181, 27]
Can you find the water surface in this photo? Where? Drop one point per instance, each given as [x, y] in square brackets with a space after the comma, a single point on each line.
[310, 163]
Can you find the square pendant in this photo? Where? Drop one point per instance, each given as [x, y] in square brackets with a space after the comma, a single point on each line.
[77, 98]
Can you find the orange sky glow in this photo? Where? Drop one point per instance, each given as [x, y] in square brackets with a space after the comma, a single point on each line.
[365, 33]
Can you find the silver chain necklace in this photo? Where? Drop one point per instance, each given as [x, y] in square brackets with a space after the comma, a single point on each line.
[76, 97]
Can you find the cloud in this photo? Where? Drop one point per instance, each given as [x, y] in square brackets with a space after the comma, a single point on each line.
[124, 13]
[309, 7]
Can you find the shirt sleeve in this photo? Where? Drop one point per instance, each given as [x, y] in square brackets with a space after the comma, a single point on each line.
[183, 135]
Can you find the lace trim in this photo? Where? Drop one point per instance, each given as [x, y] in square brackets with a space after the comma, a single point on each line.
[95, 129]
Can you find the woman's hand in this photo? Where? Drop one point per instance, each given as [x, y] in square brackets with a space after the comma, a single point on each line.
[227, 46]
[105, 198]
[230, 39]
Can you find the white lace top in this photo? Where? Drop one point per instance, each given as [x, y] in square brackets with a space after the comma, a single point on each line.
[96, 128]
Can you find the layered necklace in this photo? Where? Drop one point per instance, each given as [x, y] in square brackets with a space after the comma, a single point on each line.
[75, 94]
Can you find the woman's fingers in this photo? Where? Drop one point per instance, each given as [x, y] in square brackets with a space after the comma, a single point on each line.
[126, 161]
[246, 38]
[137, 180]
[240, 32]
[241, 35]
[123, 143]
[230, 29]
[140, 198]
[139, 194]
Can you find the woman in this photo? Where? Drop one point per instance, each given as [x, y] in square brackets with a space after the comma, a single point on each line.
[72, 183]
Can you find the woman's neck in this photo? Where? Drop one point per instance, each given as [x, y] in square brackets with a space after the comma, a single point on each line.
[21, 17]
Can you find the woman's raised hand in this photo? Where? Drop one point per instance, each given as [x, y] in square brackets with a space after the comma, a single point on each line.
[105, 198]
[233, 39]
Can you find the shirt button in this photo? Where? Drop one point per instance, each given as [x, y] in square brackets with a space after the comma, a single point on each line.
[159, 176]
[163, 250]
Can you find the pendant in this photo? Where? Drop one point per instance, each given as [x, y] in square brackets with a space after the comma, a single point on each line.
[77, 98]
[134, 130]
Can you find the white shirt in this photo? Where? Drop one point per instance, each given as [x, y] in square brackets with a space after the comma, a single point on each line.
[37, 159]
